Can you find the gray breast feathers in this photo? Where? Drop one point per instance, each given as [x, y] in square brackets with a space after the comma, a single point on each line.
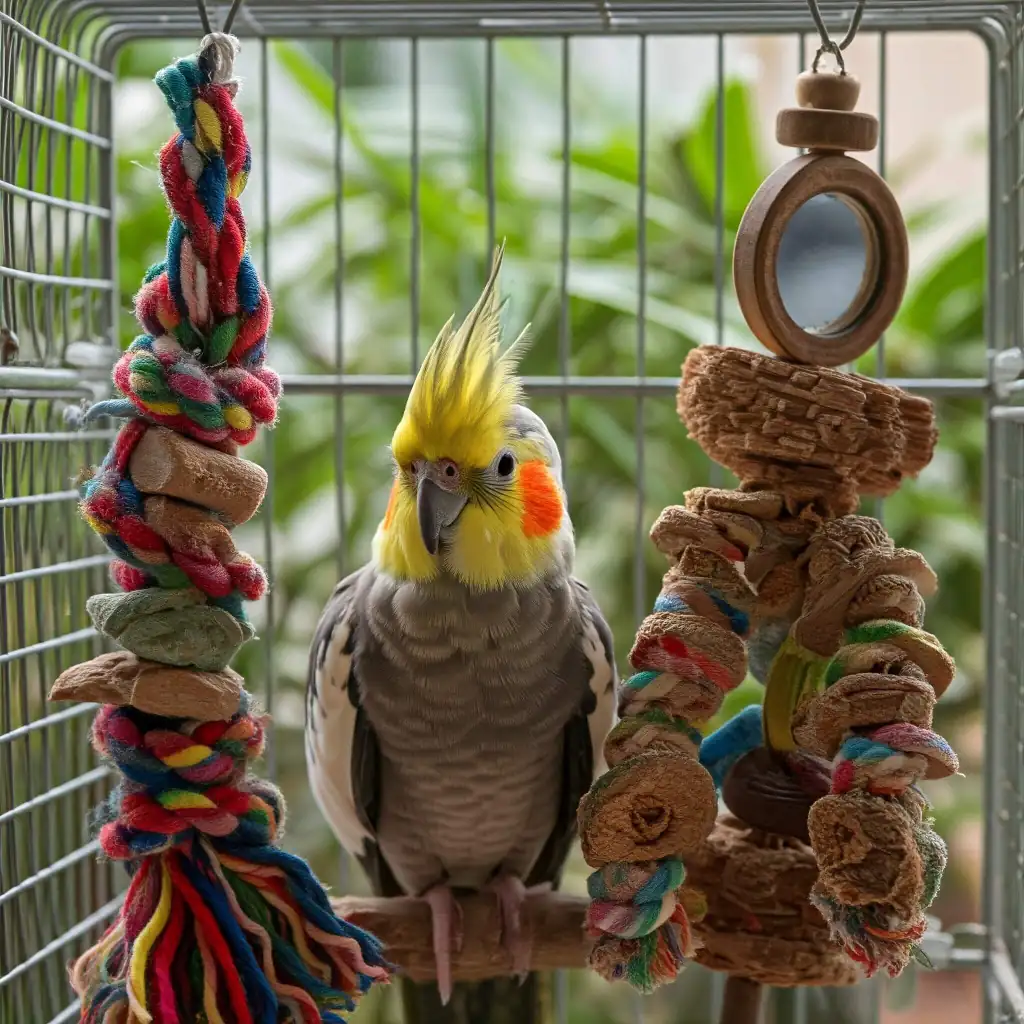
[431, 714]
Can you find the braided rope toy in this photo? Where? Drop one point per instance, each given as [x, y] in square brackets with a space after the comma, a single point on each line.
[219, 924]
[688, 654]
[875, 771]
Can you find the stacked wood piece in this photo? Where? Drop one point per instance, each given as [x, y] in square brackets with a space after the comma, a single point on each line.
[176, 644]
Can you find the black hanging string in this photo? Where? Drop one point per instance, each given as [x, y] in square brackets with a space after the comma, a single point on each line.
[828, 44]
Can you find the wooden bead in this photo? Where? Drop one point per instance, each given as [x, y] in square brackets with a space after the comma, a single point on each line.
[824, 91]
[826, 131]
[762, 793]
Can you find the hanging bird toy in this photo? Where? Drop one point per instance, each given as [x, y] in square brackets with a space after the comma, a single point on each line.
[827, 860]
[219, 923]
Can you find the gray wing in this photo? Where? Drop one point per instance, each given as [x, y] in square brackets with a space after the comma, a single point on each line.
[342, 752]
[591, 664]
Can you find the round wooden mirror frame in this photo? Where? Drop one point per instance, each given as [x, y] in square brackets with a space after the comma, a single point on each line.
[755, 258]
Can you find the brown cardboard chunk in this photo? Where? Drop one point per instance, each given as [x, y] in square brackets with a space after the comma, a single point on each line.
[887, 596]
[119, 677]
[867, 852]
[167, 463]
[847, 559]
[860, 702]
[809, 432]
[657, 804]
[917, 653]
[720, 645]
[759, 923]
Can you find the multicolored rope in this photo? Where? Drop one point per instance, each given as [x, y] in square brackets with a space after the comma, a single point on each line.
[688, 654]
[219, 924]
[244, 927]
[889, 760]
[199, 370]
[642, 915]
[114, 508]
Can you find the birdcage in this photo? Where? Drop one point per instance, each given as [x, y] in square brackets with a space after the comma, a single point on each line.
[62, 320]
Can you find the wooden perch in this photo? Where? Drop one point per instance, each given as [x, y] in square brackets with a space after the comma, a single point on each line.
[553, 920]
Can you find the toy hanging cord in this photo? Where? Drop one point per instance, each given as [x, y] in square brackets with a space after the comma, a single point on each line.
[219, 923]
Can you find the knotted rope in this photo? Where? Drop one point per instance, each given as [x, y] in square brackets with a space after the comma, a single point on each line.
[224, 926]
[878, 913]
[199, 368]
[219, 923]
[656, 801]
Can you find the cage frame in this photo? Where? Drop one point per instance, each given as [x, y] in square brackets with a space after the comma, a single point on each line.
[90, 34]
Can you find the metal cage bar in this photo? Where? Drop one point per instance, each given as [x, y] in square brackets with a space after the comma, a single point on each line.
[58, 289]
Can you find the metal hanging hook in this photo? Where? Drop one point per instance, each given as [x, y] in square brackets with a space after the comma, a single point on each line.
[828, 44]
[204, 16]
[230, 19]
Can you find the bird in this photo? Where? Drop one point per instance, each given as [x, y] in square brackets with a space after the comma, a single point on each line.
[462, 682]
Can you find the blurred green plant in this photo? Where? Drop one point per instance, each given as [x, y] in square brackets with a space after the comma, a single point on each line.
[329, 452]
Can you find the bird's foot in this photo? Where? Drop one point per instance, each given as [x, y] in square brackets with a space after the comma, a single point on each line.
[516, 941]
[446, 921]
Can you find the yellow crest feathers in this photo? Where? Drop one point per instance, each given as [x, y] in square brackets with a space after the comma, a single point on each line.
[463, 395]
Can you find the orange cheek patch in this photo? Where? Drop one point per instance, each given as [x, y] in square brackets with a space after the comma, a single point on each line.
[542, 504]
[389, 515]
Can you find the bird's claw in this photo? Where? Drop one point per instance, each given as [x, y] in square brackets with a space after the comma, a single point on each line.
[511, 893]
[446, 925]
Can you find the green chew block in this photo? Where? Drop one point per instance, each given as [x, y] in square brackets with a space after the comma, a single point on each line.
[174, 627]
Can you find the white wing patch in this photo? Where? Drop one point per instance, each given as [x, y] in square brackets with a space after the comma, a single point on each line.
[329, 738]
[602, 685]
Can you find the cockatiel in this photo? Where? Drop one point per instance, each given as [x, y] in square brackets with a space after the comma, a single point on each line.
[461, 684]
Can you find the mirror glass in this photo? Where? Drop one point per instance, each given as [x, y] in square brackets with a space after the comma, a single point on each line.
[827, 265]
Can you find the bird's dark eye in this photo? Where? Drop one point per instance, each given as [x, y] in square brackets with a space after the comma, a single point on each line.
[413, 468]
[506, 464]
[449, 470]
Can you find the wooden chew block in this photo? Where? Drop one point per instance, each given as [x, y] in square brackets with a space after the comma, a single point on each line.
[825, 91]
[836, 131]
[656, 804]
[119, 677]
[554, 922]
[167, 463]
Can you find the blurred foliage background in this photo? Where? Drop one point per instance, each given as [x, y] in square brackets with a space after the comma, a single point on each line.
[344, 302]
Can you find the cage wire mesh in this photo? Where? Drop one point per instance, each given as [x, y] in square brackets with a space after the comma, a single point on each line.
[61, 322]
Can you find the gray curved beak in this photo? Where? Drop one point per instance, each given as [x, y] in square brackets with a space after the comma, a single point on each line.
[436, 509]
